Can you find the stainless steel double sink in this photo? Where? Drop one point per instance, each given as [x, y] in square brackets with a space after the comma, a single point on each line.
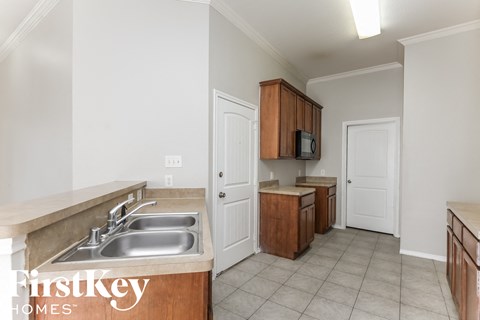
[145, 235]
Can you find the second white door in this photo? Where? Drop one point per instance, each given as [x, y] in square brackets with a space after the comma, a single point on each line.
[370, 181]
[235, 142]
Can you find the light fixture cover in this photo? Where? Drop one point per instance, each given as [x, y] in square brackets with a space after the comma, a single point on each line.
[366, 14]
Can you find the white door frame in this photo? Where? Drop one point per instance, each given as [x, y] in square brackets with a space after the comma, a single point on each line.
[396, 188]
[216, 95]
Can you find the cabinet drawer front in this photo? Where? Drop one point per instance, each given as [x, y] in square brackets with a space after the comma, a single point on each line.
[457, 228]
[450, 218]
[307, 200]
[332, 191]
[471, 245]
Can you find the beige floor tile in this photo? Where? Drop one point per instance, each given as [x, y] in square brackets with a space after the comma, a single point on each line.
[304, 283]
[220, 291]
[273, 311]
[411, 313]
[323, 261]
[422, 285]
[337, 246]
[378, 306]
[352, 268]
[264, 257]
[251, 266]
[235, 277]
[451, 309]
[337, 293]
[382, 275]
[345, 279]
[329, 252]
[324, 309]
[222, 314]
[276, 274]
[419, 263]
[370, 245]
[353, 258]
[386, 265]
[381, 289]
[261, 287]
[305, 317]
[413, 272]
[360, 251]
[242, 303]
[423, 300]
[292, 298]
[392, 257]
[315, 271]
[440, 267]
[362, 315]
[292, 265]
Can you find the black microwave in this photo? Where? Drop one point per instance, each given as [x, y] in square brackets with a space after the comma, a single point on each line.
[305, 145]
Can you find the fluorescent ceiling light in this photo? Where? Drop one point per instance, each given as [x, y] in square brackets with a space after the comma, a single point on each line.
[367, 17]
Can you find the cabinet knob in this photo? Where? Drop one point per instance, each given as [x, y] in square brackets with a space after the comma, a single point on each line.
[222, 195]
[349, 181]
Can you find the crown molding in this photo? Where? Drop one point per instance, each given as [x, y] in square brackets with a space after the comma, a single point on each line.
[250, 32]
[34, 17]
[353, 73]
[464, 27]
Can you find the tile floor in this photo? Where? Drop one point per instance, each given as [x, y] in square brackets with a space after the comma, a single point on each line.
[347, 274]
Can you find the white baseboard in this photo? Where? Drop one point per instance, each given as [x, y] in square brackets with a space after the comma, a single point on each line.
[423, 255]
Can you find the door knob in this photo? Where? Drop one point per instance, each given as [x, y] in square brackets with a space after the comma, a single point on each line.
[222, 195]
[349, 181]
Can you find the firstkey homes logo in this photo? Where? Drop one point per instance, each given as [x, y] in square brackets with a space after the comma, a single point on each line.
[64, 287]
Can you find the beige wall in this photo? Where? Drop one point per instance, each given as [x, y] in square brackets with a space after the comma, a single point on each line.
[441, 145]
[140, 91]
[358, 97]
[36, 111]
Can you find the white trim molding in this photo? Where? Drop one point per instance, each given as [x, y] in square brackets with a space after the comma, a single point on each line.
[34, 17]
[250, 32]
[464, 27]
[353, 73]
[396, 213]
[197, 1]
[423, 255]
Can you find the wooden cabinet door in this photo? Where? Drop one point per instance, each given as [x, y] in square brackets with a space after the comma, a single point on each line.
[469, 307]
[310, 224]
[332, 212]
[287, 122]
[449, 257]
[457, 252]
[302, 232]
[317, 130]
[308, 117]
[300, 116]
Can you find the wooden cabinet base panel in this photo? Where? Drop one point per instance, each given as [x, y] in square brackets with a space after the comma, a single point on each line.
[166, 297]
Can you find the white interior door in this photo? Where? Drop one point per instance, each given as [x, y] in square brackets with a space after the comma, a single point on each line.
[235, 185]
[371, 176]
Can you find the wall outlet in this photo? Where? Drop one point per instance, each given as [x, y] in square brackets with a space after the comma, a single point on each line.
[272, 176]
[168, 180]
[299, 172]
[322, 172]
[139, 195]
[173, 161]
[130, 196]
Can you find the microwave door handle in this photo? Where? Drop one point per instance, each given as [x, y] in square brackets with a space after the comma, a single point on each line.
[313, 146]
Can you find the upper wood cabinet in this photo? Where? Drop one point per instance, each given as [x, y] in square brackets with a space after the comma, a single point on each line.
[283, 110]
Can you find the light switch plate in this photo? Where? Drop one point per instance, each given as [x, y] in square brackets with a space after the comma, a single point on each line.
[173, 161]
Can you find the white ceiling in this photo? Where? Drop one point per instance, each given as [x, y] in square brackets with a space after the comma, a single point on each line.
[318, 37]
[12, 13]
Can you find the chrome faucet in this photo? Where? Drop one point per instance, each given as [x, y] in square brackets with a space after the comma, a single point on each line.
[112, 222]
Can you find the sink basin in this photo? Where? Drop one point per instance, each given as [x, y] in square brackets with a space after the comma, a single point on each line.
[143, 244]
[163, 221]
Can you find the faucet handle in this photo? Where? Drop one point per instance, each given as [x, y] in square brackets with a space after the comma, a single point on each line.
[94, 238]
[121, 204]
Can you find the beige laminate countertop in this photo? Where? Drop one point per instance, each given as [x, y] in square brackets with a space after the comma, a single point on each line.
[316, 184]
[25, 217]
[309, 181]
[287, 190]
[136, 267]
[468, 214]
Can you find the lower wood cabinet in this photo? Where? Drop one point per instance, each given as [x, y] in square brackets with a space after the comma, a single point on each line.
[463, 268]
[325, 206]
[287, 224]
[185, 296]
